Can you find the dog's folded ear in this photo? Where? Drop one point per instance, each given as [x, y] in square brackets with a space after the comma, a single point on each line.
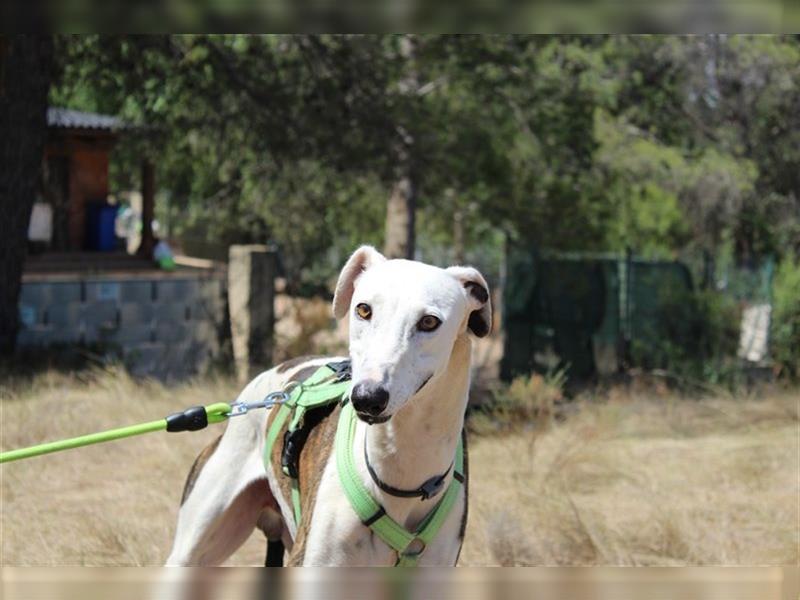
[477, 290]
[361, 260]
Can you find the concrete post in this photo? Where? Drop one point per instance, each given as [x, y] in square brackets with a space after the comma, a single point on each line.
[251, 294]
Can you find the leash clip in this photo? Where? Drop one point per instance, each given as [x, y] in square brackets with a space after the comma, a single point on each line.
[270, 400]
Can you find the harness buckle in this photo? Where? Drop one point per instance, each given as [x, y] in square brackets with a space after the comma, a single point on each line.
[342, 370]
[290, 456]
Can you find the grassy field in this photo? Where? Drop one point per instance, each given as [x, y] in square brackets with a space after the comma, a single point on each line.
[634, 479]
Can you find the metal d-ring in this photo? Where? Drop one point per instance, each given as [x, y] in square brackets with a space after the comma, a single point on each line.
[290, 387]
[417, 549]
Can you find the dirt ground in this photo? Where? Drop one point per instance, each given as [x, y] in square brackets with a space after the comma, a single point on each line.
[629, 480]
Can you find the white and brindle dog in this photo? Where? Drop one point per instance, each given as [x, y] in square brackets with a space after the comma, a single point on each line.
[410, 348]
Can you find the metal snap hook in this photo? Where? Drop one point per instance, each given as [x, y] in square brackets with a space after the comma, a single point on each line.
[270, 400]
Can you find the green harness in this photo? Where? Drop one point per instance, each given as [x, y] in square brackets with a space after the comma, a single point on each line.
[324, 388]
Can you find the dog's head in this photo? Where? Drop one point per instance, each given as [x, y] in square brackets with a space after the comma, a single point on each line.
[405, 317]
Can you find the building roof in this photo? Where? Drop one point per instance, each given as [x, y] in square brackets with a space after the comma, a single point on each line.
[66, 118]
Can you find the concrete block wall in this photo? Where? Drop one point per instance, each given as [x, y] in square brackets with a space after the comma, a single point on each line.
[164, 325]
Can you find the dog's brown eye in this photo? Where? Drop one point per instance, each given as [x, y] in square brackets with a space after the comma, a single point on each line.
[364, 311]
[428, 323]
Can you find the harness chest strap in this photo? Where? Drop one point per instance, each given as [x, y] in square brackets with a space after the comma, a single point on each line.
[319, 390]
[373, 515]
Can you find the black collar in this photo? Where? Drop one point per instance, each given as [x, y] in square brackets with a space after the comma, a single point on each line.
[427, 490]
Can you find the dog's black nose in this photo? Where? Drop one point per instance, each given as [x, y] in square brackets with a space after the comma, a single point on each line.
[369, 397]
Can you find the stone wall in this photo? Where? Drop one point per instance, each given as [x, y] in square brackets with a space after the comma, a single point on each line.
[165, 325]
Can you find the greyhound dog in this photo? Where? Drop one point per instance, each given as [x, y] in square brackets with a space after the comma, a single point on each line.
[410, 350]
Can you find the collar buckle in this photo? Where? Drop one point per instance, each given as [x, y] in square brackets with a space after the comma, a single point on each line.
[427, 490]
[432, 487]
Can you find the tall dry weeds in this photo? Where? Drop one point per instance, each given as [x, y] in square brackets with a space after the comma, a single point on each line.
[641, 481]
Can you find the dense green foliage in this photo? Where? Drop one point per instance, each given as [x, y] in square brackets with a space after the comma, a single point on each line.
[670, 146]
[664, 144]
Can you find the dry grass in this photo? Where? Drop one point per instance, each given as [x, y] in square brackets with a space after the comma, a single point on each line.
[632, 480]
[111, 504]
[642, 481]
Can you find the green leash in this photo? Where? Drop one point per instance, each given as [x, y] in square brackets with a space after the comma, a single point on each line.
[322, 388]
[191, 419]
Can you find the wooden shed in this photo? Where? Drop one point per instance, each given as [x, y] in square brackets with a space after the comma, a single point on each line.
[75, 177]
[163, 323]
[76, 164]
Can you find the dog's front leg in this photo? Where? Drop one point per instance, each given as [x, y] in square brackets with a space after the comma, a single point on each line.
[224, 504]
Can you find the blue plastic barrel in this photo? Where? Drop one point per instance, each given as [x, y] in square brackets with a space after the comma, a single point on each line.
[100, 235]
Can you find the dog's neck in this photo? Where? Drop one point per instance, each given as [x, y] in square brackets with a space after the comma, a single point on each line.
[420, 440]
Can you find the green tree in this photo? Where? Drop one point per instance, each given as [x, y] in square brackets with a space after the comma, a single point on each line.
[256, 128]
[663, 143]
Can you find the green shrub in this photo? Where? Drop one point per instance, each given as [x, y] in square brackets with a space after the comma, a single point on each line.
[785, 330]
[527, 400]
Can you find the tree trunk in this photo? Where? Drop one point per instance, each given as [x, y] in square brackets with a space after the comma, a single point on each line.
[459, 250]
[26, 63]
[402, 206]
[400, 220]
[148, 242]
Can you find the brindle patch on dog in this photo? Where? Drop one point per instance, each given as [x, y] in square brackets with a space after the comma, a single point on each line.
[197, 466]
[463, 529]
[301, 375]
[315, 452]
[295, 362]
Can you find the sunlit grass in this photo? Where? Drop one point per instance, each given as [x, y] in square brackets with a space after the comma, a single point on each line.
[631, 479]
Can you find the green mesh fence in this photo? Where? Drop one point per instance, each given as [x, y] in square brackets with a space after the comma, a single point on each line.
[584, 312]
[751, 285]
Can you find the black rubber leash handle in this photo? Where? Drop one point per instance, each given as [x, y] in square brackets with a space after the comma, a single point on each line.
[193, 418]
